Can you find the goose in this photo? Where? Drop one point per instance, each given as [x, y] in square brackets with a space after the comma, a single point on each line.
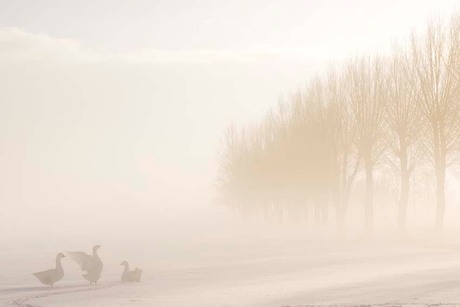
[91, 265]
[127, 275]
[137, 274]
[51, 276]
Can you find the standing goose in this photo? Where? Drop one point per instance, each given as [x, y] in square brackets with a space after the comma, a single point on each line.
[137, 273]
[91, 265]
[51, 276]
[127, 275]
[130, 276]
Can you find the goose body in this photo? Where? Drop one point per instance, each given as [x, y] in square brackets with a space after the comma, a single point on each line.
[130, 276]
[137, 273]
[51, 276]
[91, 265]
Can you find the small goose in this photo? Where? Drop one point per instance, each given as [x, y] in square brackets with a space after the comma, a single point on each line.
[137, 273]
[130, 276]
[51, 276]
[92, 265]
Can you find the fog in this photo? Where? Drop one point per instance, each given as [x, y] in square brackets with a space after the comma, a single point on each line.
[113, 121]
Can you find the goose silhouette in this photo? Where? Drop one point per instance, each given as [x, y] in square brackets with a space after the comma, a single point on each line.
[51, 276]
[137, 273]
[130, 276]
[91, 265]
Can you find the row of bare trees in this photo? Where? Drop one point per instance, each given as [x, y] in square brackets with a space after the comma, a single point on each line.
[373, 115]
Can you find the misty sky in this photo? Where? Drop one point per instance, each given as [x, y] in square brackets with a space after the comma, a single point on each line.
[113, 110]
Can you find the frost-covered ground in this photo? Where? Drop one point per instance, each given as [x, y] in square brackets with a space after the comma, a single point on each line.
[252, 273]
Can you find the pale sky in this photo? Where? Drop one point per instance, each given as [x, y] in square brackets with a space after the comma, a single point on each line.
[114, 110]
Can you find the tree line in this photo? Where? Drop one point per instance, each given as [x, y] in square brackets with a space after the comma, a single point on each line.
[392, 115]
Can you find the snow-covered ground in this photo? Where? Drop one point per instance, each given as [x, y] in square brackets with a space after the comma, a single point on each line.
[253, 273]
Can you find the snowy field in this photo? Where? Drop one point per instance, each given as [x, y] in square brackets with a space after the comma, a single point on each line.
[252, 273]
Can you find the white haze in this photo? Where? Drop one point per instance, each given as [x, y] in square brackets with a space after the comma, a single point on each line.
[91, 133]
[112, 114]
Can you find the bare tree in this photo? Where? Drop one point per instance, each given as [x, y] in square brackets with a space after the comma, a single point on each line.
[404, 126]
[366, 95]
[346, 157]
[309, 150]
[435, 61]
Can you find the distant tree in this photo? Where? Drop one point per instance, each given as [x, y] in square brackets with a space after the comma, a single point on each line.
[366, 96]
[307, 152]
[404, 125]
[436, 60]
[346, 159]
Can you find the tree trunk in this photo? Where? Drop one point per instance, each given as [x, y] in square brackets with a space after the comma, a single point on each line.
[404, 196]
[342, 195]
[305, 213]
[343, 207]
[317, 213]
[324, 211]
[403, 201]
[440, 169]
[340, 220]
[369, 197]
[440, 197]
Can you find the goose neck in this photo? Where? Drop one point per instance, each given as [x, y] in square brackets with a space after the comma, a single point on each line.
[58, 263]
[95, 255]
